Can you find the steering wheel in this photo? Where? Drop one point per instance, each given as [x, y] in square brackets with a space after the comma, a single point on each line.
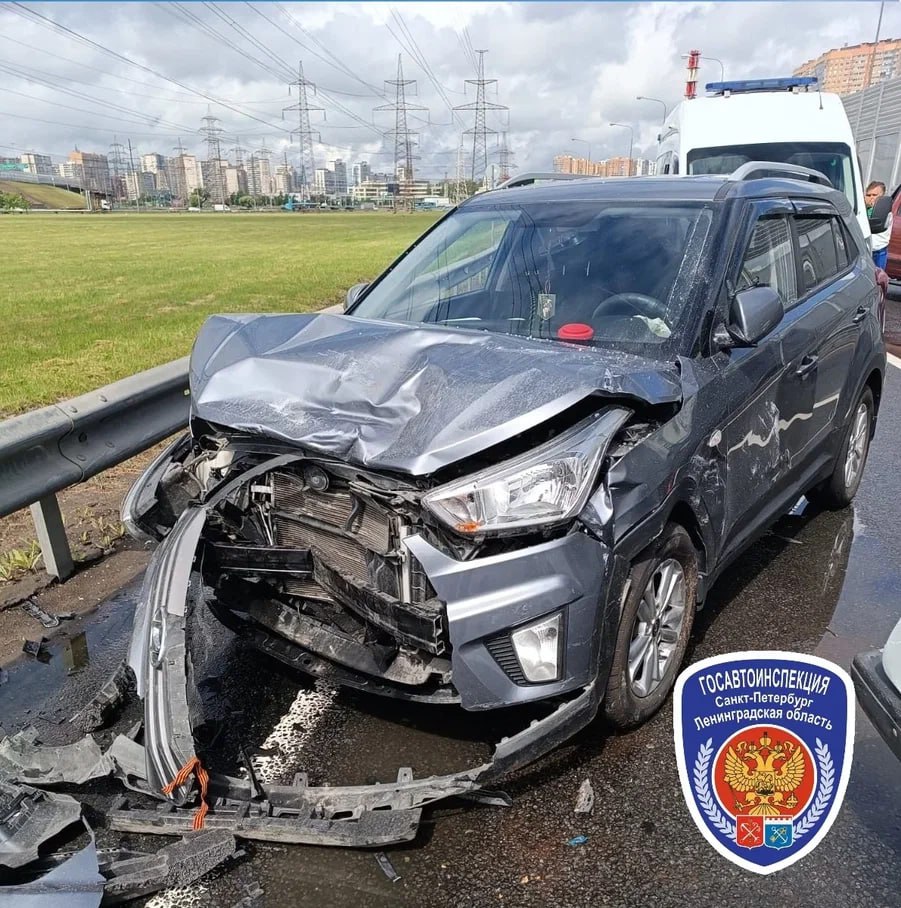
[630, 304]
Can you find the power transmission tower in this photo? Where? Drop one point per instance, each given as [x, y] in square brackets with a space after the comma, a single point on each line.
[403, 137]
[480, 129]
[118, 169]
[212, 133]
[135, 176]
[303, 132]
[506, 157]
[238, 150]
[460, 184]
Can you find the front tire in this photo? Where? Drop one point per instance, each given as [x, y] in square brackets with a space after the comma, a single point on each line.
[654, 628]
[839, 490]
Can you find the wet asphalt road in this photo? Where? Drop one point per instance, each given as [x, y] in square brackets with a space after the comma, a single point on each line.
[827, 583]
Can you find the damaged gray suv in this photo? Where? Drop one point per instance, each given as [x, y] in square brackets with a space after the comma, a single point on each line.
[513, 468]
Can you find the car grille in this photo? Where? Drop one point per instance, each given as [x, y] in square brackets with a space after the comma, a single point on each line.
[353, 534]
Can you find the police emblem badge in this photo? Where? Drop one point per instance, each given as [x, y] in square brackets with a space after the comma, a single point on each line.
[764, 742]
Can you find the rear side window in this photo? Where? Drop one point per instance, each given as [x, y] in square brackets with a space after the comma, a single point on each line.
[821, 258]
[842, 244]
[769, 260]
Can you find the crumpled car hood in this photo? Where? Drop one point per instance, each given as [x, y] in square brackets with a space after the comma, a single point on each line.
[399, 397]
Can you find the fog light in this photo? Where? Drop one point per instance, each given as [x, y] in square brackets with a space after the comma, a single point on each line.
[538, 648]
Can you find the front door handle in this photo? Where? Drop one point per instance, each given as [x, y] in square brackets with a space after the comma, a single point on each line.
[859, 315]
[808, 364]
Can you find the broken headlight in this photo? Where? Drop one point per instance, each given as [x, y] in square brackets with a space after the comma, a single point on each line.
[549, 484]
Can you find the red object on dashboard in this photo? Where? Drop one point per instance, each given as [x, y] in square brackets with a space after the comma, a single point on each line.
[575, 331]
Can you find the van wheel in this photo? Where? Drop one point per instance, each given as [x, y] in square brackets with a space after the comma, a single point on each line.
[839, 490]
[654, 628]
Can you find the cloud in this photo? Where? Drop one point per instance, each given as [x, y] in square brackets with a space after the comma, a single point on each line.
[564, 70]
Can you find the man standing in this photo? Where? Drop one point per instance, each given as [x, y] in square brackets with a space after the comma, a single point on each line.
[879, 212]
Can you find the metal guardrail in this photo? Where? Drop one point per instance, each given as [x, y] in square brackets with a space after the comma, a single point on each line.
[47, 450]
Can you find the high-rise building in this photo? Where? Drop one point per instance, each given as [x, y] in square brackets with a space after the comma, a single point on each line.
[235, 180]
[845, 70]
[259, 175]
[324, 181]
[184, 175]
[360, 173]
[285, 179]
[156, 165]
[340, 177]
[139, 185]
[38, 164]
[92, 170]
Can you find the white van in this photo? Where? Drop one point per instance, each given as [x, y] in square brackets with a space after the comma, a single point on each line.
[783, 120]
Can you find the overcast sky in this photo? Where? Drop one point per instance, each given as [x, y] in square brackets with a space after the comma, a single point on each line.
[564, 70]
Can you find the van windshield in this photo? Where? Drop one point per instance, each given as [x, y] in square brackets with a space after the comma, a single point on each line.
[832, 159]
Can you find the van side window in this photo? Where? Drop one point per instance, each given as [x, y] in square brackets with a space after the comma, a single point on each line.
[769, 260]
[675, 163]
[817, 251]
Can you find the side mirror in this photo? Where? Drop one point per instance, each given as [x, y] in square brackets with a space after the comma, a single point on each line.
[754, 313]
[354, 294]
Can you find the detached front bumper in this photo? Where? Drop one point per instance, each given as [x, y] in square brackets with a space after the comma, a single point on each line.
[387, 812]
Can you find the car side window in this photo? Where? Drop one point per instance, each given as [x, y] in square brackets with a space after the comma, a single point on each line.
[818, 251]
[842, 246]
[769, 260]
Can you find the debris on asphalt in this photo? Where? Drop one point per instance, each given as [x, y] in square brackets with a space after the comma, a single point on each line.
[103, 707]
[4, 676]
[387, 866]
[174, 866]
[28, 818]
[25, 760]
[75, 882]
[578, 840]
[30, 607]
[36, 648]
[585, 798]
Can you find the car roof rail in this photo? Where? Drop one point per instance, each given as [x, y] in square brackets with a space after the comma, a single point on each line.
[527, 179]
[757, 170]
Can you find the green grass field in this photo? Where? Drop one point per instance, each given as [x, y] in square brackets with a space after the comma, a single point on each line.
[87, 299]
[43, 196]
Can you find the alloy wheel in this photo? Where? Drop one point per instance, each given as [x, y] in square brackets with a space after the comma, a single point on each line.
[658, 625]
[857, 445]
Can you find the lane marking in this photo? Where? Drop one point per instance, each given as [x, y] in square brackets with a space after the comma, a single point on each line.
[894, 360]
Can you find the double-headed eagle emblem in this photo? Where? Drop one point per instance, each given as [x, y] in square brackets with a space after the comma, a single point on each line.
[762, 774]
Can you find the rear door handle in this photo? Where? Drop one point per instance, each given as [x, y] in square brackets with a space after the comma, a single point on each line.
[808, 364]
[859, 315]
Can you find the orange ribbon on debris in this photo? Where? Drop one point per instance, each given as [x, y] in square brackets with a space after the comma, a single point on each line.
[203, 779]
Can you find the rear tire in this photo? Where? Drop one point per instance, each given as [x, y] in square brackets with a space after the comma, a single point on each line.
[654, 628]
[839, 490]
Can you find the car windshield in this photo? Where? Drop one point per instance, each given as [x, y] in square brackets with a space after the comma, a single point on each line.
[595, 272]
[832, 159]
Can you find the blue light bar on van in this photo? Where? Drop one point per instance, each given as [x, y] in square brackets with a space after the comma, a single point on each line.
[742, 85]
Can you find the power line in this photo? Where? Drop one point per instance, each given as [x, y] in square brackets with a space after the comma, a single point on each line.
[23, 11]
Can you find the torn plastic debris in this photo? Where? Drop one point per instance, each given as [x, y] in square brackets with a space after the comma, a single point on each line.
[355, 816]
[387, 867]
[585, 798]
[24, 759]
[74, 883]
[80, 879]
[36, 649]
[30, 607]
[28, 818]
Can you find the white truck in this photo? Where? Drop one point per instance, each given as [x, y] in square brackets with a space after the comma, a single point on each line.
[787, 121]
